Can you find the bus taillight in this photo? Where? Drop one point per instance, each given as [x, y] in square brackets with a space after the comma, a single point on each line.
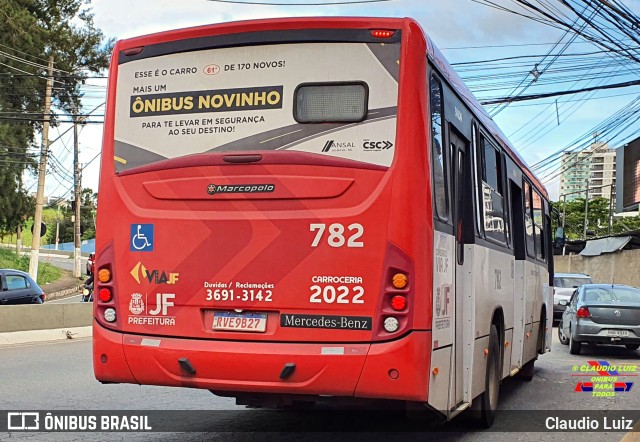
[382, 33]
[400, 280]
[110, 315]
[395, 314]
[104, 275]
[105, 295]
[398, 303]
[391, 324]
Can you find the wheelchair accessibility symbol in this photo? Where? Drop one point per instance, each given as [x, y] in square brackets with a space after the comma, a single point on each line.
[141, 238]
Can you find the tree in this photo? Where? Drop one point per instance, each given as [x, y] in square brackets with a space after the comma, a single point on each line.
[31, 31]
[597, 219]
[88, 213]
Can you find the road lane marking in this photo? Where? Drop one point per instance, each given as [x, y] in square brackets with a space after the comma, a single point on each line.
[64, 299]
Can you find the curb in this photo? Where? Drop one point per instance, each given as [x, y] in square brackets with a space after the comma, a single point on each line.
[13, 339]
[62, 293]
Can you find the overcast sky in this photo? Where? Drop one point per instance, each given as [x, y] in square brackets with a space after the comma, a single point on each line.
[451, 24]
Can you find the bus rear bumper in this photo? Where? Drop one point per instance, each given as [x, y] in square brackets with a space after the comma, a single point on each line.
[390, 370]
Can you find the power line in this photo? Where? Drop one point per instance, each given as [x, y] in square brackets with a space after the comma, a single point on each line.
[353, 2]
[559, 93]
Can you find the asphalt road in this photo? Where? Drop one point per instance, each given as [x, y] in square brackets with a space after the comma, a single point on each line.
[59, 376]
[66, 263]
[62, 261]
[67, 300]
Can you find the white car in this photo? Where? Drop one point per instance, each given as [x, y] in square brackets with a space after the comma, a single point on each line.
[564, 284]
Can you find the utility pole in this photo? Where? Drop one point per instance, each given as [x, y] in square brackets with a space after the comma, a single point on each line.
[58, 226]
[610, 208]
[76, 183]
[564, 216]
[586, 208]
[42, 170]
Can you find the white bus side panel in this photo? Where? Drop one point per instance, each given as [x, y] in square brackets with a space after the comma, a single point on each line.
[536, 283]
[443, 327]
[517, 342]
[494, 289]
[548, 299]
[493, 281]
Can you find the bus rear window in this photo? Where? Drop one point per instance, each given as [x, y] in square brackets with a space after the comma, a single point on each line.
[257, 98]
[331, 103]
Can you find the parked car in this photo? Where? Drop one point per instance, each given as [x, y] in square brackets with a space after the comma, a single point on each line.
[19, 288]
[91, 263]
[601, 314]
[564, 284]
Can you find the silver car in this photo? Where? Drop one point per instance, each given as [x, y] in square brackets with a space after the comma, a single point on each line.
[564, 284]
[601, 313]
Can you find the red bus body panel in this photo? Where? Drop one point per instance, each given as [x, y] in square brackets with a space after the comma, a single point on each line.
[266, 237]
[362, 371]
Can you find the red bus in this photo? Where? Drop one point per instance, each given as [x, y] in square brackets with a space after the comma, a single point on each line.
[301, 208]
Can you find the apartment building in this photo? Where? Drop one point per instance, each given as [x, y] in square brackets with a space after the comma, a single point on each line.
[597, 164]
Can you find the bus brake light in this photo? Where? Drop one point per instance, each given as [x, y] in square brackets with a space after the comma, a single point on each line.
[398, 303]
[382, 33]
[105, 295]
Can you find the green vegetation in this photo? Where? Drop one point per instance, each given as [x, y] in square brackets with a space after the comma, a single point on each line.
[46, 272]
[31, 32]
[597, 219]
[48, 217]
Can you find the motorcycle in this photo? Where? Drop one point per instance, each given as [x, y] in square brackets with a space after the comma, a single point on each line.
[87, 291]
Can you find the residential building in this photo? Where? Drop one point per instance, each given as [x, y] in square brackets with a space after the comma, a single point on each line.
[597, 164]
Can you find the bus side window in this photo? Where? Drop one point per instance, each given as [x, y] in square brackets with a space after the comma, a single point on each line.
[438, 155]
[492, 192]
[538, 223]
[528, 221]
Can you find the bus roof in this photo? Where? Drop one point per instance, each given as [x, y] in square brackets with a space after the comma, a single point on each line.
[340, 23]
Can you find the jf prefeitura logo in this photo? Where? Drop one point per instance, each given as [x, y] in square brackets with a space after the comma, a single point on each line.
[602, 379]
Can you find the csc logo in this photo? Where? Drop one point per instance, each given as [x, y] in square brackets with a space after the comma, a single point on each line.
[377, 145]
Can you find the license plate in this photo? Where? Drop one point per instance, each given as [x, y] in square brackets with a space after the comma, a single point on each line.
[245, 322]
[618, 332]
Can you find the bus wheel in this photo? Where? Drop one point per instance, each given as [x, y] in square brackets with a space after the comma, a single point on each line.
[489, 399]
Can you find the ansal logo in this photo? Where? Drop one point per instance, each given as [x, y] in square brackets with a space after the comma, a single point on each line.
[332, 145]
[140, 272]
